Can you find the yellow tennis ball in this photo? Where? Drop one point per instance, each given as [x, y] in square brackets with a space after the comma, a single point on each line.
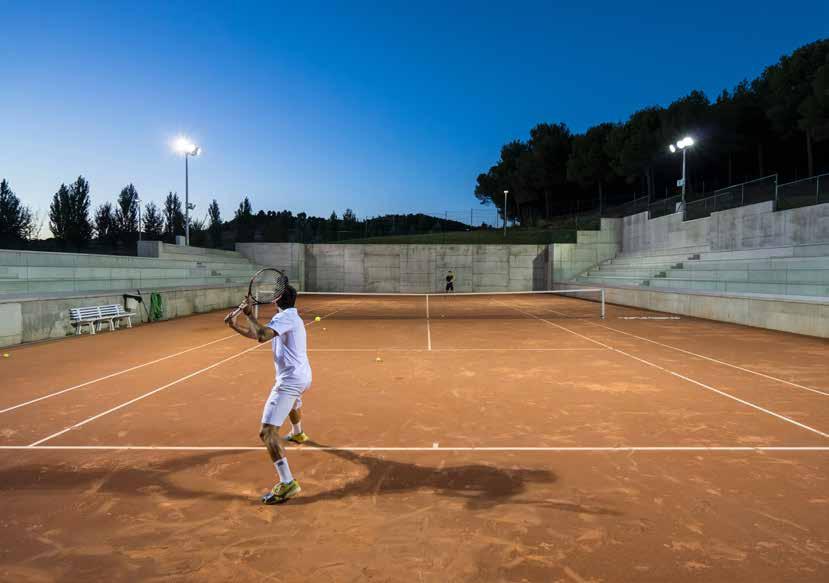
[6, 355]
[379, 359]
[317, 319]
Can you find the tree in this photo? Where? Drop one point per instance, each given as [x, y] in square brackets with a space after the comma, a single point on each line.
[126, 215]
[215, 224]
[173, 217]
[153, 222]
[105, 229]
[814, 113]
[544, 167]
[589, 163]
[244, 221]
[16, 222]
[633, 147]
[69, 213]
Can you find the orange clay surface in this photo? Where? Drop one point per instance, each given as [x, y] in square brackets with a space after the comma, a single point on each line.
[517, 439]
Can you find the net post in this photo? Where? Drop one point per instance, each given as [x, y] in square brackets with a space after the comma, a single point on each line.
[602, 300]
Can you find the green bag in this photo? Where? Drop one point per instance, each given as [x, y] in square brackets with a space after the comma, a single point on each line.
[156, 307]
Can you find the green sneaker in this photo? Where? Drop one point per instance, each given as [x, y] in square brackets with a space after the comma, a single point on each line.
[282, 493]
[298, 438]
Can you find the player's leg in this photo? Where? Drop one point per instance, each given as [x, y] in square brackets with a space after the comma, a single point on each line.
[297, 435]
[277, 408]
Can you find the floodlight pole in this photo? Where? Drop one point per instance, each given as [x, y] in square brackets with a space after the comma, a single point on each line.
[506, 192]
[138, 202]
[684, 150]
[186, 200]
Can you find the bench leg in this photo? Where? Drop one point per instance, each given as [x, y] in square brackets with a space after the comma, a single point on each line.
[92, 328]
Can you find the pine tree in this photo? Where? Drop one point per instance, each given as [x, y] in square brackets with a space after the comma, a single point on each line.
[15, 220]
[173, 217]
[153, 222]
[69, 213]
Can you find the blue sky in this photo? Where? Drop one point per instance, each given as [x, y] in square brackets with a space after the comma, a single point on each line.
[380, 107]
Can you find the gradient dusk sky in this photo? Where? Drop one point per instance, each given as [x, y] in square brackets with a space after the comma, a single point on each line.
[319, 106]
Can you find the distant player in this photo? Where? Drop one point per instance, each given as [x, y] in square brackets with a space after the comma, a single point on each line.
[286, 331]
[450, 281]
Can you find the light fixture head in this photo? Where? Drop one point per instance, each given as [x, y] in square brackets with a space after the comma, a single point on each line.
[183, 145]
[672, 148]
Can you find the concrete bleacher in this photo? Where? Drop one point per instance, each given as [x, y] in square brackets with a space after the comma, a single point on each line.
[29, 272]
[37, 289]
[795, 270]
[751, 265]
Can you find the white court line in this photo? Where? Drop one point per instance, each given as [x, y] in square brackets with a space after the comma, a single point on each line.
[379, 349]
[115, 374]
[428, 326]
[154, 391]
[311, 448]
[683, 377]
[748, 370]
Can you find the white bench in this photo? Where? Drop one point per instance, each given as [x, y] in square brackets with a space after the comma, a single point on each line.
[96, 316]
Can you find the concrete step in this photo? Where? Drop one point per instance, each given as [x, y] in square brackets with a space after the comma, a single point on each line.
[817, 276]
[641, 273]
[811, 250]
[794, 289]
[768, 263]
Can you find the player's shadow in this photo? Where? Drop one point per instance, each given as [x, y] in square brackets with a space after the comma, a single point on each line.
[480, 486]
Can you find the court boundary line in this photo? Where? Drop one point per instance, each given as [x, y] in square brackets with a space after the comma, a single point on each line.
[156, 390]
[379, 349]
[112, 375]
[678, 375]
[542, 449]
[735, 366]
[709, 358]
[428, 326]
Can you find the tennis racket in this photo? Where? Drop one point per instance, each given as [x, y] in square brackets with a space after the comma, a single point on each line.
[266, 285]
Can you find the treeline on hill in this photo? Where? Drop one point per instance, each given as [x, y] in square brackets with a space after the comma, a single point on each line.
[114, 228]
[775, 124]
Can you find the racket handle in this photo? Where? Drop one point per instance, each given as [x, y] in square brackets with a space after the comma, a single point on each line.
[232, 314]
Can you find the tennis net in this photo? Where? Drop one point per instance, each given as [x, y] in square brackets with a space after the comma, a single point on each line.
[576, 303]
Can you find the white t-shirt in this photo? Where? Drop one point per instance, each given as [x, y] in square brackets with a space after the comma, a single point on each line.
[290, 350]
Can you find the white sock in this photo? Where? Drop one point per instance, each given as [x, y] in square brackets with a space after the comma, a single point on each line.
[284, 471]
[296, 428]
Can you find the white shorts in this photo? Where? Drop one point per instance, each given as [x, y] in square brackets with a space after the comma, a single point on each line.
[280, 403]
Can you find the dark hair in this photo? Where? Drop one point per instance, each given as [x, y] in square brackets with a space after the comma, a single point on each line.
[287, 299]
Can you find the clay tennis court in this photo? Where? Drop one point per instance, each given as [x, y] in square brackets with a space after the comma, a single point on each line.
[495, 438]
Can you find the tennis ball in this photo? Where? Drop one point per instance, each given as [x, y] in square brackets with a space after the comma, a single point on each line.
[324, 329]
[378, 359]
[6, 355]
[317, 319]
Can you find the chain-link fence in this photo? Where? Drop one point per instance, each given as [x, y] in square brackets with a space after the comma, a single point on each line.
[750, 192]
[809, 191]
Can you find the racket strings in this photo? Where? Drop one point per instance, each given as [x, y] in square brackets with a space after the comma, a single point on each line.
[268, 285]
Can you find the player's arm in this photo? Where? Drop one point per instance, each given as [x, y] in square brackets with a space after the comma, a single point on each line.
[246, 332]
[258, 331]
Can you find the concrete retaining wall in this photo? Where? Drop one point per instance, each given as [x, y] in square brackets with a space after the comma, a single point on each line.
[591, 248]
[287, 257]
[754, 226]
[406, 268]
[805, 316]
[31, 319]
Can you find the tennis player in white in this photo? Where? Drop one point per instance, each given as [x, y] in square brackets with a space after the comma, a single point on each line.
[286, 331]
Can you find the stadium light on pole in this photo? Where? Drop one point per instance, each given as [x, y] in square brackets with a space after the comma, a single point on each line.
[506, 192]
[683, 145]
[187, 148]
